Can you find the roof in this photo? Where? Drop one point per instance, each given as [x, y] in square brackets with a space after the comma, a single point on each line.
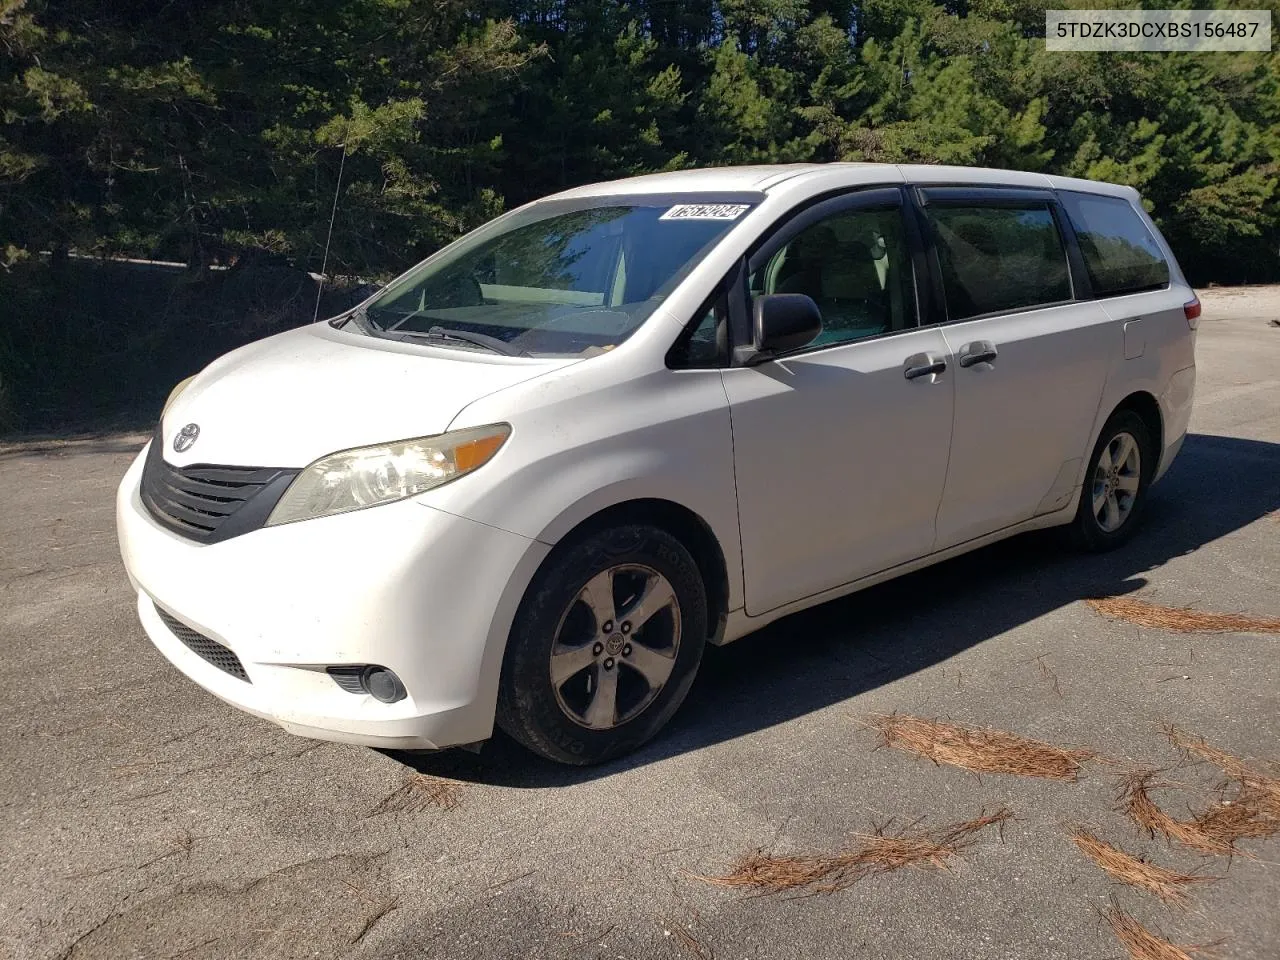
[758, 177]
[767, 176]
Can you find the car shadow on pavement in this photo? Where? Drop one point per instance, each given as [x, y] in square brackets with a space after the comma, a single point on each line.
[831, 653]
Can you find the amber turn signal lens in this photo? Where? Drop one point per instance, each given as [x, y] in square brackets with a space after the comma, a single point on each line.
[468, 456]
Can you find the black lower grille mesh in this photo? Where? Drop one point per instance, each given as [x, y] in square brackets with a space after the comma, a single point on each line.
[348, 678]
[210, 650]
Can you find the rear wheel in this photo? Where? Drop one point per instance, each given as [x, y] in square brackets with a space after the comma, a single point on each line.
[605, 646]
[1115, 487]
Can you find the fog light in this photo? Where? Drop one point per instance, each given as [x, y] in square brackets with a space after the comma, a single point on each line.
[381, 684]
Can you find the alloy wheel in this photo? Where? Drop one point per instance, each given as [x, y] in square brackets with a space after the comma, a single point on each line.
[1116, 479]
[615, 646]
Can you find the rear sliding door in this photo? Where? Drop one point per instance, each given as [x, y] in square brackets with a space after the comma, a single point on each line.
[1031, 356]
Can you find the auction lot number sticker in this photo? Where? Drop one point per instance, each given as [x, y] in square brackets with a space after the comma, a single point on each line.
[706, 211]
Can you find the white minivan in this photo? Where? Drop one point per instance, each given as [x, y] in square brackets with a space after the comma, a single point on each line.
[530, 479]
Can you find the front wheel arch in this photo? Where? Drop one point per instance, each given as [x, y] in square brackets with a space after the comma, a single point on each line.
[693, 532]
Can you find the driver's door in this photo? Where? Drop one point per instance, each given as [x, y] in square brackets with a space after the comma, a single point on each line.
[840, 449]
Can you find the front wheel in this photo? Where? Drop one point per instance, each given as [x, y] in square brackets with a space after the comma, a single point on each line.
[605, 645]
[1115, 486]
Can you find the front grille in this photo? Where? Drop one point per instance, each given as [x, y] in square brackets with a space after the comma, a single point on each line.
[210, 650]
[207, 502]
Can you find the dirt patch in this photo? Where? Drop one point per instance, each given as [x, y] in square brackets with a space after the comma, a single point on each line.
[1181, 619]
[314, 908]
[1169, 885]
[875, 853]
[981, 750]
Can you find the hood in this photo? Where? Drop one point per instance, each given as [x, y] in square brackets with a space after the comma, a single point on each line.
[290, 399]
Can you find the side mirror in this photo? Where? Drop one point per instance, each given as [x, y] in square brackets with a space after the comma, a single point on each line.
[783, 322]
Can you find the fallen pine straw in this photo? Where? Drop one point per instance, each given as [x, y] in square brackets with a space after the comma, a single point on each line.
[1180, 619]
[1216, 830]
[979, 750]
[873, 854]
[698, 949]
[1168, 885]
[1264, 789]
[418, 792]
[1141, 943]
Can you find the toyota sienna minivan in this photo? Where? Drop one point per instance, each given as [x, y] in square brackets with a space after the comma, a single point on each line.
[528, 481]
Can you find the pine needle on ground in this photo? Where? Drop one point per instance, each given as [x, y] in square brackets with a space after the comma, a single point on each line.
[1215, 831]
[872, 854]
[418, 792]
[1183, 620]
[977, 749]
[1169, 885]
[1141, 943]
[1264, 787]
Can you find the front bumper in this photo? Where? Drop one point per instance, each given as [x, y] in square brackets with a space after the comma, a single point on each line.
[424, 593]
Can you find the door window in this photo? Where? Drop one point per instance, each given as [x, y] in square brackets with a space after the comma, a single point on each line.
[999, 258]
[856, 266]
[1119, 251]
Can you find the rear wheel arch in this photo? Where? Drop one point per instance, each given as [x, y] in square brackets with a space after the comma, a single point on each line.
[1113, 491]
[1148, 408]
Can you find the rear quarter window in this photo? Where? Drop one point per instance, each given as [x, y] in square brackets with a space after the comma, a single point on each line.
[1119, 251]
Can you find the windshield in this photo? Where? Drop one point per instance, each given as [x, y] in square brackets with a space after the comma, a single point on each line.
[559, 279]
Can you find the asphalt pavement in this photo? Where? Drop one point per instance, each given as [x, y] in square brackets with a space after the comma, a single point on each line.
[141, 817]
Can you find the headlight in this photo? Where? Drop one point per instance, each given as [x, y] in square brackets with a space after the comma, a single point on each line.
[174, 394]
[368, 476]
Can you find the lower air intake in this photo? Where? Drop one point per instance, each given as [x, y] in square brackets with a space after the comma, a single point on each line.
[209, 650]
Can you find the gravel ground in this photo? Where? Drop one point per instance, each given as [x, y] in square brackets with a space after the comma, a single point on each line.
[140, 817]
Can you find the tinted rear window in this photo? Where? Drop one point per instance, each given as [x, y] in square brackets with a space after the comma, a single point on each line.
[999, 258]
[1119, 251]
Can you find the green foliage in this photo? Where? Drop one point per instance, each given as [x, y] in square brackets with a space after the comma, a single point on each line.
[205, 132]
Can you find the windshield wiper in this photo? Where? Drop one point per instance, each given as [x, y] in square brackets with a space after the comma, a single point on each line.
[466, 336]
[360, 318]
[437, 332]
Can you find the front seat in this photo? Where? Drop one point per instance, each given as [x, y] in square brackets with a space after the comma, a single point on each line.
[842, 280]
[852, 299]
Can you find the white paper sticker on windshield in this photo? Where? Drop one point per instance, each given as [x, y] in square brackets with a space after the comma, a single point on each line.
[706, 211]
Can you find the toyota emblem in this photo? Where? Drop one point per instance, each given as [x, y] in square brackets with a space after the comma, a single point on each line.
[186, 437]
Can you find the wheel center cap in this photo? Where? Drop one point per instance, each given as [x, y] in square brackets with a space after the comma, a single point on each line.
[613, 646]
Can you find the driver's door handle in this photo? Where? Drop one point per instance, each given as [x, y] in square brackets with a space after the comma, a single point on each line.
[980, 351]
[922, 365]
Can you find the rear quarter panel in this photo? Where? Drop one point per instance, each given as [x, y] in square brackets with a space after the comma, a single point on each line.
[1157, 354]
[1165, 362]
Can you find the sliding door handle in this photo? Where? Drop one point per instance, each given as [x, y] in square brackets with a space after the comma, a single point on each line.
[980, 351]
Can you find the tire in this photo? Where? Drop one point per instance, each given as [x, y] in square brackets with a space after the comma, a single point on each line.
[1098, 529]
[565, 613]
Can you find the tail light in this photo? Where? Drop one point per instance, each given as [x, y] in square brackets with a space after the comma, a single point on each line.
[1192, 310]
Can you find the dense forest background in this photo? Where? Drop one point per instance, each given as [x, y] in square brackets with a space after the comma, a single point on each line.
[215, 133]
